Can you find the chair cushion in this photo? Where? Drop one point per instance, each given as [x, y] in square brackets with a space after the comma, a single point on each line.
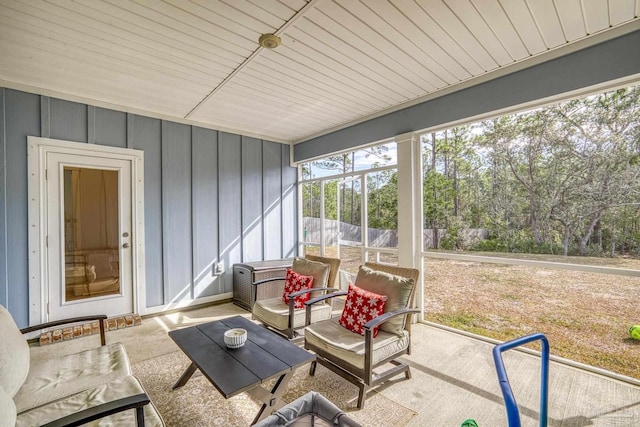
[103, 393]
[318, 270]
[360, 307]
[57, 378]
[14, 354]
[344, 345]
[295, 282]
[397, 289]
[7, 410]
[275, 313]
[334, 267]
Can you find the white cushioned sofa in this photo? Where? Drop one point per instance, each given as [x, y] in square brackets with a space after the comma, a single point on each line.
[93, 387]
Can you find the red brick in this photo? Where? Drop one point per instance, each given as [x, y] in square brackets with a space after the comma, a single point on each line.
[67, 334]
[95, 327]
[86, 329]
[128, 319]
[45, 338]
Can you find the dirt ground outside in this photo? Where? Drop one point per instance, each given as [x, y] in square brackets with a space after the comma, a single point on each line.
[585, 316]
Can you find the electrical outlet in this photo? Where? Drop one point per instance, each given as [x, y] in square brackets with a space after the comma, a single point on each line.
[218, 268]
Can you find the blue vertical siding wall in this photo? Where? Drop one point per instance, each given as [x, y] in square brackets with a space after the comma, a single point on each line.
[252, 199]
[205, 205]
[210, 196]
[4, 296]
[272, 198]
[229, 199]
[21, 118]
[176, 211]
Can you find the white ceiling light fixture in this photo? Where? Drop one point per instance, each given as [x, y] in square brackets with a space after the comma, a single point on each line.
[269, 41]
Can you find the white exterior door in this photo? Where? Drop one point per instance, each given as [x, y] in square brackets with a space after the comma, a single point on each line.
[86, 230]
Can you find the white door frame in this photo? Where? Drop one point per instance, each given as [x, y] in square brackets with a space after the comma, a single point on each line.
[37, 150]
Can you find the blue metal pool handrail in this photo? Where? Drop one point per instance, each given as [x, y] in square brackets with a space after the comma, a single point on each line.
[513, 415]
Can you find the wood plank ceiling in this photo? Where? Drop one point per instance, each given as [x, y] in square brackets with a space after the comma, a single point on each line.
[340, 61]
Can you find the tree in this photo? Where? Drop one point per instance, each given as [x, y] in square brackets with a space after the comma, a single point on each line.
[601, 133]
[382, 197]
[567, 164]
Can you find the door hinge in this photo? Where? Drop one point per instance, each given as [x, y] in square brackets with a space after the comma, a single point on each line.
[46, 241]
[47, 309]
[46, 174]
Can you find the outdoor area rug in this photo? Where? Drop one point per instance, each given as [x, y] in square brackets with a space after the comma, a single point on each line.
[198, 403]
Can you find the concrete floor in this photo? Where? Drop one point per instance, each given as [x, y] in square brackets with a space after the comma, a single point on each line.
[453, 376]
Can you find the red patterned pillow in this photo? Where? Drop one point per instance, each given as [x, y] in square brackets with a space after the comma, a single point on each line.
[295, 282]
[360, 307]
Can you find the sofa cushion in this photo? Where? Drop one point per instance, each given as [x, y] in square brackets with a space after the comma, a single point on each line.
[319, 271]
[7, 410]
[103, 393]
[14, 354]
[397, 289]
[57, 378]
[275, 313]
[329, 336]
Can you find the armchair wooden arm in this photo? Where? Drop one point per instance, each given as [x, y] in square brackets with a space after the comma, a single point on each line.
[334, 294]
[99, 317]
[136, 402]
[376, 321]
[308, 304]
[308, 291]
[292, 297]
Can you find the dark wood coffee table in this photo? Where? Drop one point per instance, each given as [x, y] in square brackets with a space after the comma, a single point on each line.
[266, 355]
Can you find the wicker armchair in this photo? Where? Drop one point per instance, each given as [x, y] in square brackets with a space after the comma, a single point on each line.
[284, 318]
[353, 356]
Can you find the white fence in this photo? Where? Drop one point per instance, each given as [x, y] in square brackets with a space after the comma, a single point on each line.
[378, 238]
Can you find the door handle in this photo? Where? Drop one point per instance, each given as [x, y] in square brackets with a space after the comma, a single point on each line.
[125, 245]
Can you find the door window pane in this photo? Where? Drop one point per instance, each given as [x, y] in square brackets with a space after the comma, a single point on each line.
[91, 233]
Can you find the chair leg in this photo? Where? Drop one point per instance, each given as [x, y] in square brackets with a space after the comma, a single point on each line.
[362, 395]
[407, 373]
[312, 368]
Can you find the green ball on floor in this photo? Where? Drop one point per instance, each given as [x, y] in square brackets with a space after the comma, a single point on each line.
[469, 423]
[634, 332]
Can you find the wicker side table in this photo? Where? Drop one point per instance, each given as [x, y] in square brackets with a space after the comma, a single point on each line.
[245, 274]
